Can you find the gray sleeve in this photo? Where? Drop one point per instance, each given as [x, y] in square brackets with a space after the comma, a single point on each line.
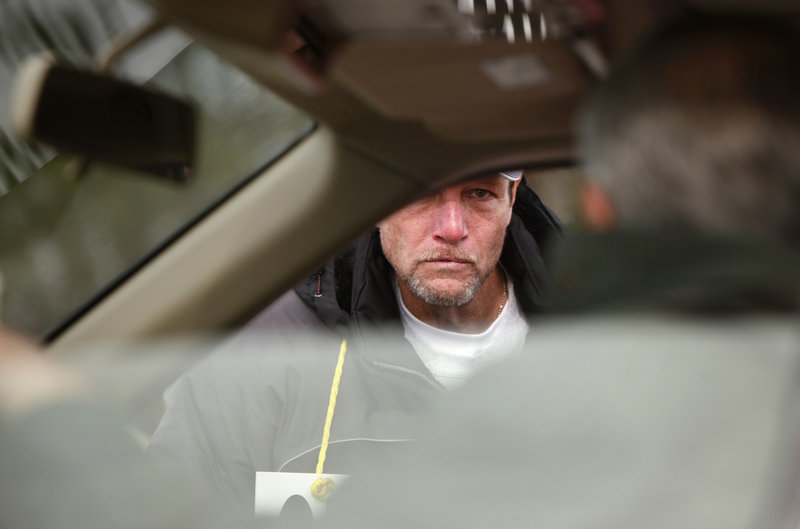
[221, 422]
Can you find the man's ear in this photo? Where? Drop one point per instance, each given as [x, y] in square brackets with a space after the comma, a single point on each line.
[598, 210]
[512, 195]
[513, 191]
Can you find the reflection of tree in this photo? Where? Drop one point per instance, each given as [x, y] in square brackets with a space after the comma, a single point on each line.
[17, 161]
[74, 31]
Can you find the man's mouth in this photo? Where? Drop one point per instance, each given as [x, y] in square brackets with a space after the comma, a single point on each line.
[445, 259]
[435, 257]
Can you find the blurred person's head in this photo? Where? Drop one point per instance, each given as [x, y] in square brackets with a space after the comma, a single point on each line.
[444, 247]
[700, 128]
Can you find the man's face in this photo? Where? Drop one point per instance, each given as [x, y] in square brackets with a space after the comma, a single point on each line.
[443, 247]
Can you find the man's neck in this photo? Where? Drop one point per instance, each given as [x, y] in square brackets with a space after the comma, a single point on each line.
[473, 317]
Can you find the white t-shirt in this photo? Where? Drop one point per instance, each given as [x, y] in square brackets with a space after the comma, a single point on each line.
[453, 356]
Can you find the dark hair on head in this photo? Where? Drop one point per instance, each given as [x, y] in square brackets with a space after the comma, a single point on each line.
[700, 127]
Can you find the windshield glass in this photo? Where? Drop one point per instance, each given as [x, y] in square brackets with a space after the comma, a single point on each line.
[63, 243]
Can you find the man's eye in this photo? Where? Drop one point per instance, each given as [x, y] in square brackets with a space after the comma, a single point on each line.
[481, 193]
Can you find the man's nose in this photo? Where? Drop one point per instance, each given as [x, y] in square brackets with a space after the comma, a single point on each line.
[451, 222]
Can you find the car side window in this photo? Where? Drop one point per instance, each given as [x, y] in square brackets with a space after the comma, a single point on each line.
[65, 243]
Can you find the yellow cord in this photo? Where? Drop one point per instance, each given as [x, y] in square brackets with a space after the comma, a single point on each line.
[322, 488]
[326, 433]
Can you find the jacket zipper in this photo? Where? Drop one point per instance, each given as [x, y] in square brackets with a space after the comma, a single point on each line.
[317, 293]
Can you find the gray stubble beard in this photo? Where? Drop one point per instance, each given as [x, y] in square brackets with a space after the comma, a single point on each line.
[430, 296]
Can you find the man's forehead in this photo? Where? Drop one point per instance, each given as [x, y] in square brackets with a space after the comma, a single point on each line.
[489, 179]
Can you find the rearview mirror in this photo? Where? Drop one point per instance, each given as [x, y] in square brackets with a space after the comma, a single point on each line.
[101, 118]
